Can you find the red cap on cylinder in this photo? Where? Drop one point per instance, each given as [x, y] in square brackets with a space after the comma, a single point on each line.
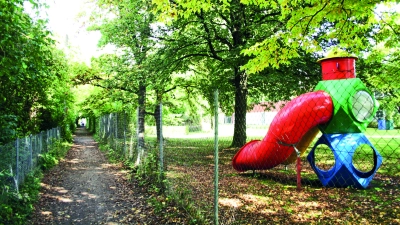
[338, 68]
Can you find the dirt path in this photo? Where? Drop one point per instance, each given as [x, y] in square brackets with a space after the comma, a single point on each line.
[85, 189]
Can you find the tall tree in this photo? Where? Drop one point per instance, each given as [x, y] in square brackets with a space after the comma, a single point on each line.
[130, 31]
[29, 66]
[216, 36]
[345, 22]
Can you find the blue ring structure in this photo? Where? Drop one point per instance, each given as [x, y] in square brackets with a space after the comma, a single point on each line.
[343, 173]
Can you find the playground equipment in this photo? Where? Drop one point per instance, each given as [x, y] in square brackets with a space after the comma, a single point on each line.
[340, 107]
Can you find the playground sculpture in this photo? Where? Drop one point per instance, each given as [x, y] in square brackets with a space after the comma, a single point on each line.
[340, 107]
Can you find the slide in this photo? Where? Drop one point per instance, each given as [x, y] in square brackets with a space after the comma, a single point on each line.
[302, 145]
[292, 123]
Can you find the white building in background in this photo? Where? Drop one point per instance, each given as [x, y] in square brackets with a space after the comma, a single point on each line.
[261, 114]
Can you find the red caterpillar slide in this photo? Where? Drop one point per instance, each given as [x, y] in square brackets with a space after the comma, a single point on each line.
[287, 129]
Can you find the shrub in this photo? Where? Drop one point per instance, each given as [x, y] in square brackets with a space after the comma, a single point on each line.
[47, 161]
[16, 206]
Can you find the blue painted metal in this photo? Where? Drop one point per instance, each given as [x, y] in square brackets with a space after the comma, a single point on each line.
[343, 173]
[381, 125]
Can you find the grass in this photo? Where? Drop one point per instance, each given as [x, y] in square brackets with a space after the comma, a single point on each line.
[382, 133]
[270, 196]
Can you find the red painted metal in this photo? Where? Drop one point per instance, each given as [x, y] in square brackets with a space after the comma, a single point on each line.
[338, 68]
[288, 127]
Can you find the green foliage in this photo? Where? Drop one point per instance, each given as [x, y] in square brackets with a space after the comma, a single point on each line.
[34, 89]
[148, 171]
[50, 159]
[8, 126]
[16, 207]
[34, 95]
[92, 123]
[396, 120]
[23, 55]
[303, 25]
[380, 71]
[104, 147]
[251, 51]
[47, 161]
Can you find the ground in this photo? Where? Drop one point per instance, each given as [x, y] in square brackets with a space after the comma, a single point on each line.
[271, 196]
[85, 189]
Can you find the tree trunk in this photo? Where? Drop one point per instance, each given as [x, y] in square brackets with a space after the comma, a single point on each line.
[157, 117]
[141, 114]
[239, 133]
[141, 121]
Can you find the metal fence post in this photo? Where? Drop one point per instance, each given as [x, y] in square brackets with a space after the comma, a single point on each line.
[216, 157]
[137, 130]
[40, 142]
[101, 127]
[116, 132]
[47, 140]
[35, 149]
[30, 152]
[17, 164]
[109, 128]
[125, 124]
[105, 127]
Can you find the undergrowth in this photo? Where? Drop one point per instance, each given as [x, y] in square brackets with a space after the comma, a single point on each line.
[16, 205]
[163, 196]
[148, 173]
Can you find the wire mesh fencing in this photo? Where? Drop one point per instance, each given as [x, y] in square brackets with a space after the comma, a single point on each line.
[322, 153]
[22, 156]
[325, 156]
[183, 149]
[119, 132]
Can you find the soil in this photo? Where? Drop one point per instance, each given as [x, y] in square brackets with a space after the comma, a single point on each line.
[85, 189]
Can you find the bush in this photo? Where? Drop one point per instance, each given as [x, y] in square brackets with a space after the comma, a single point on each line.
[193, 128]
[148, 171]
[396, 120]
[15, 206]
[47, 161]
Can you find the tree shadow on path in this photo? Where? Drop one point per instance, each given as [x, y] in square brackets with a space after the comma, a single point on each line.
[85, 189]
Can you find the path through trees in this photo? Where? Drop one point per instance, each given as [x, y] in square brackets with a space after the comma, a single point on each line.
[85, 189]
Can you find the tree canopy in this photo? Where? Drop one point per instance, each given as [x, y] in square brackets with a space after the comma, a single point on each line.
[251, 51]
[342, 22]
[34, 78]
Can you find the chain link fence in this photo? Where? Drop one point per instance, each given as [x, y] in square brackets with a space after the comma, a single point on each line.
[21, 156]
[188, 161]
[323, 156]
[178, 146]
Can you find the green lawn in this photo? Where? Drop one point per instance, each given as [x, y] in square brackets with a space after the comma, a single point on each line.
[256, 196]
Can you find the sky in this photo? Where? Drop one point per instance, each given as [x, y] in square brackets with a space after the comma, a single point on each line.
[64, 22]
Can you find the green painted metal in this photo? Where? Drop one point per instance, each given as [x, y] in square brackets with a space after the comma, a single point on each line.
[347, 96]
